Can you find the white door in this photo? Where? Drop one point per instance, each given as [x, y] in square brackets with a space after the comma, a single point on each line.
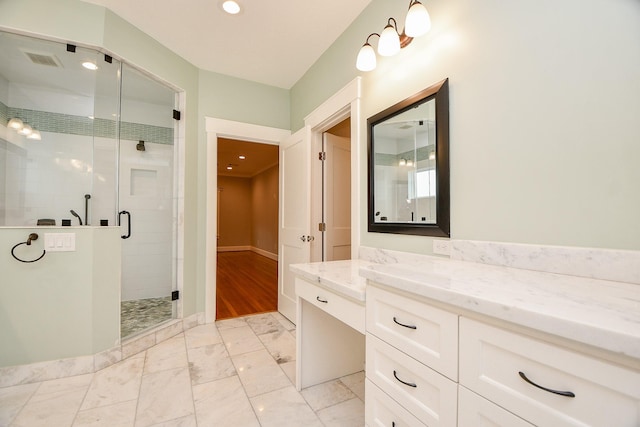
[293, 245]
[337, 197]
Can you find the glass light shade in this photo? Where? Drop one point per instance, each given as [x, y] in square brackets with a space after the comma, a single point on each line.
[26, 130]
[15, 124]
[366, 60]
[35, 135]
[402, 162]
[418, 21]
[389, 43]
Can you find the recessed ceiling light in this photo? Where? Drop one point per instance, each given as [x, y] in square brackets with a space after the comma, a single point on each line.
[231, 7]
[241, 157]
[229, 167]
[90, 65]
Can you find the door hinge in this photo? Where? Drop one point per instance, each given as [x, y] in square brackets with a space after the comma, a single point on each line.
[175, 295]
[322, 226]
[176, 115]
[322, 156]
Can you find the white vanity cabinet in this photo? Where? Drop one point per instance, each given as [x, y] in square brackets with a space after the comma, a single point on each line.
[330, 335]
[411, 361]
[429, 366]
[476, 411]
[546, 384]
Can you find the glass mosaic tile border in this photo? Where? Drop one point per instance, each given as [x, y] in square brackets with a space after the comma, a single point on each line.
[46, 121]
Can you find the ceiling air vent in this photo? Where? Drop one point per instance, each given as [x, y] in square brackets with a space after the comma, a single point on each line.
[40, 59]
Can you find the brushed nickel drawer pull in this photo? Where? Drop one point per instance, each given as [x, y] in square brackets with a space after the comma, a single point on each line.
[322, 300]
[402, 324]
[414, 385]
[561, 393]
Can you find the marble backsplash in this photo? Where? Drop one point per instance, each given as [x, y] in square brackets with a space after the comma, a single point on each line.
[605, 264]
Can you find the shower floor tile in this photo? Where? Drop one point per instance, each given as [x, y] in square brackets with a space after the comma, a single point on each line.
[138, 315]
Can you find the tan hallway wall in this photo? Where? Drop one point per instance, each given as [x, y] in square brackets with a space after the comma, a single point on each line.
[235, 212]
[264, 221]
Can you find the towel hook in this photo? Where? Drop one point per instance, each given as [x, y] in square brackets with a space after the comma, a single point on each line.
[32, 237]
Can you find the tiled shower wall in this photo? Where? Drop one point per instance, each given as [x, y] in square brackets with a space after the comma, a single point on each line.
[77, 156]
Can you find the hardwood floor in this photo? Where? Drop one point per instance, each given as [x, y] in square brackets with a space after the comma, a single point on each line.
[247, 283]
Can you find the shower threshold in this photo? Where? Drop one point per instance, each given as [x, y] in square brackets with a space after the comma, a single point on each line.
[139, 315]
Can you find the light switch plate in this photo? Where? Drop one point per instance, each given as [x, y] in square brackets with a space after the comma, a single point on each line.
[60, 242]
[441, 247]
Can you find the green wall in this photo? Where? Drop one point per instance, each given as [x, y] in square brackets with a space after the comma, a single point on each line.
[65, 305]
[544, 106]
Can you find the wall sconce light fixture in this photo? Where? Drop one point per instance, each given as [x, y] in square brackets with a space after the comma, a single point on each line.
[15, 124]
[390, 40]
[24, 129]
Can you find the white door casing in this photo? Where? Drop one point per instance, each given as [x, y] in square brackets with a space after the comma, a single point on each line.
[294, 230]
[337, 197]
[342, 105]
[235, 130]
[345, 103]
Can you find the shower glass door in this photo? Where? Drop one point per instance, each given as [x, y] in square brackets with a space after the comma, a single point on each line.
[100, 142]
[146, 201]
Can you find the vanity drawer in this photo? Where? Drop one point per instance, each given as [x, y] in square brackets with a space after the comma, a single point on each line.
[429, 334]
[474, 411]
[344, 309]
[381, 410]
[429, 396]
[491, 360]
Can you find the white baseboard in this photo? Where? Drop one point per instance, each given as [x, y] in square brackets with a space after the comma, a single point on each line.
[233, 248]
[259, 251]
[264, 253]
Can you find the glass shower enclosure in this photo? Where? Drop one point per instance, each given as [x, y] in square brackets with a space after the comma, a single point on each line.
[86, 140]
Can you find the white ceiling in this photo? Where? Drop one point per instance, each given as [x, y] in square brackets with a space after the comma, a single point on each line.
[273, 42]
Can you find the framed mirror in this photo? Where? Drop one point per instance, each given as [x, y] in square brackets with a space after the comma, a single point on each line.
[409, 165]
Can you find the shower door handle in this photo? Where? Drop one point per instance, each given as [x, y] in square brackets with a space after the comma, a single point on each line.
[126, 236]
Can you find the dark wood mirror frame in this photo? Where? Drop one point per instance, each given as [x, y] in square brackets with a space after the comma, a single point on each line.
[439, 92]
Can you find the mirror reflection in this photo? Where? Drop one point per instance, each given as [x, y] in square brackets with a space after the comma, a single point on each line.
[409, 165]
[405, 167]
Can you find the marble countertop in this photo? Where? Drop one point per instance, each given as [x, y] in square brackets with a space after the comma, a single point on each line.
[342, 277]
[601, 313]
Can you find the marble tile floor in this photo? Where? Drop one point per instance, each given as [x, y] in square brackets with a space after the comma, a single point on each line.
[236, 372]
[141, 314]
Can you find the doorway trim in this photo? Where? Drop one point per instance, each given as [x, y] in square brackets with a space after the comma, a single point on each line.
[342, 105]
[221, 128]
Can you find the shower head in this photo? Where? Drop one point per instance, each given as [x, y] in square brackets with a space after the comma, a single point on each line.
[76, 215]
[140, 146]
